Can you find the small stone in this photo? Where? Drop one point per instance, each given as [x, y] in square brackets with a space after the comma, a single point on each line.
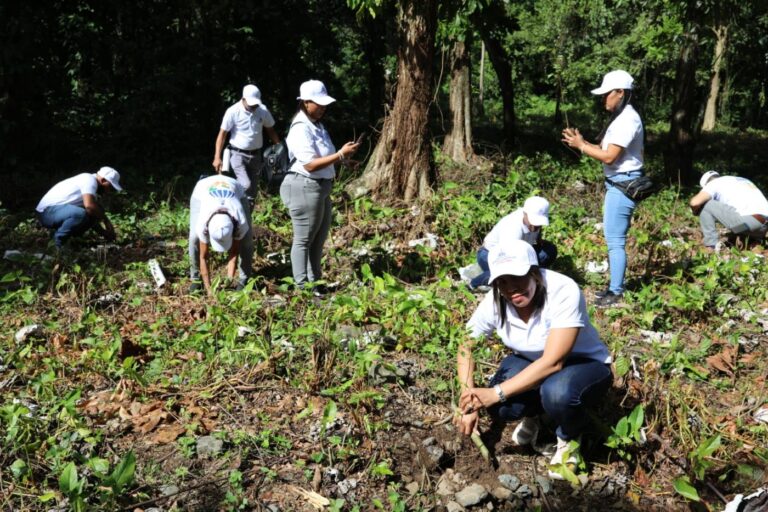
[429, 441]
[471, 495]
[347, 485]
[445, 486]
[511, 482]
[524, 491]
[452, 506]
[272, 507]
[435, 453]
[169, 490]
[502, 493]
[209, 446]
[412, 487]
[545, 484]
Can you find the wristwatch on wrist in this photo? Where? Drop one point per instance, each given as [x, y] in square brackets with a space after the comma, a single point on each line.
[500, 393]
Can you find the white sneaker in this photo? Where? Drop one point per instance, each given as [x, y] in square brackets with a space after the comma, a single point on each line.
[526, 431]
[574, 456]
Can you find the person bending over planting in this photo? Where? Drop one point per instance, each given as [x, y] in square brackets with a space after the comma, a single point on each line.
[557, 362]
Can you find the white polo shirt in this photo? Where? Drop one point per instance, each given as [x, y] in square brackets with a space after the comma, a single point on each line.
[215, 193]
[511, 227]
[307, 141]
[625, 131]
[70, 191]
[564, 307]
[246, 128]
[739, 193]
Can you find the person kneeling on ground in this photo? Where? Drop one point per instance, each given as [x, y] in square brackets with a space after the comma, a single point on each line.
[219, 218]
[523, 224]
[558, 363]
[72, 206]
[734, 202]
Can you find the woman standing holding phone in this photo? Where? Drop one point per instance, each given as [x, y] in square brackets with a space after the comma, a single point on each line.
[306, 190]
[620, 150]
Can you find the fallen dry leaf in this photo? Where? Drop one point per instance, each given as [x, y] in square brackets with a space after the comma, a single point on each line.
[167, 434]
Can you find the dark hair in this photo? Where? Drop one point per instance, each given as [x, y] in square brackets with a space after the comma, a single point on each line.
[626, 100]
[538, 300]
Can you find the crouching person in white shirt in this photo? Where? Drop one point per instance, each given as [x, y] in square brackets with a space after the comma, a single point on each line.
[557, 365]
[219, 220]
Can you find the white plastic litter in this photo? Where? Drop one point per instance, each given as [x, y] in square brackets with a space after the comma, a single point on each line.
[430, 241]
[655, 336]
[244, 331]
[734, 504]
[157, 272]
[597, 268]
[761, 415]
[27, 331]
[470, 272]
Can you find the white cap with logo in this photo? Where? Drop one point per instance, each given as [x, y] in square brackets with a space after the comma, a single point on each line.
[251, 95]
[511, 258]
[314, 91]
[537, 210]
[112, 176]
[618, 79]
[707, 176]
[220, 229]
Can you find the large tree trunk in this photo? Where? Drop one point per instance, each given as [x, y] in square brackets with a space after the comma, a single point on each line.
[710, 114]
[458, 142]
[400, 166]
[678, 158]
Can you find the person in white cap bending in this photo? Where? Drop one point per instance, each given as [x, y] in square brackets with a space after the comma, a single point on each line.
[523, 224]
[72, 206]
[306, 190]
[218, 221]
[557, 363]
[620, 149]
[734, 202]
[243, 127]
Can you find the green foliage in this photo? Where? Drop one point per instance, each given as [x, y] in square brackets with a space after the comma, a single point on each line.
[628, 432]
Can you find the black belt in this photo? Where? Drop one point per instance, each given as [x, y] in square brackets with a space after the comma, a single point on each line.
[246, 151]
[759, 218]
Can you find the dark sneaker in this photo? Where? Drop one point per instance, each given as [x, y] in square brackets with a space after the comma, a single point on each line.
[609, 300]
[320, 290]
[602, 293]
[196, 286]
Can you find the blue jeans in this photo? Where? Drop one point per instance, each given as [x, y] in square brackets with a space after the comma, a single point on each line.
[547, 254]
[617, 217]
[67, 219]
[563, 395]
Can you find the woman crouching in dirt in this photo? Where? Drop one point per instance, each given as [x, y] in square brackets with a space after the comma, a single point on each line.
[558, 364]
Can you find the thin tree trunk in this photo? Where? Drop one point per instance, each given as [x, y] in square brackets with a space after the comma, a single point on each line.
[501, 64]
[458, 142]
[400, 166]
[710, 114]
[678, 158]
[480, 104]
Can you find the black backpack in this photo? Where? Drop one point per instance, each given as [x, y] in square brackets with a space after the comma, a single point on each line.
[276, 166]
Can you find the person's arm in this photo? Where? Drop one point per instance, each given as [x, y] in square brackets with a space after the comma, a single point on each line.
[95, 210]
[234, 251]
[698, 201]
[204, 267]
[273, 136]
[220, 139]
[574, 139]
[324, 161]
[560, 342]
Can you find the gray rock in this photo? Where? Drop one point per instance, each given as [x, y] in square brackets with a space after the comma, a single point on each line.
[544, 483]
[273, 507]
[429, 441]
[435, 453]
[347, 485]
[471, 495]
[445, 486]
[209, 446]
[452, 506]
[169, 489]
[502, 493]
[524, 491]
[511, 482]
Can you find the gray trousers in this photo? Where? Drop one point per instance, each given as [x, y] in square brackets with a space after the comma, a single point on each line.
[245, 260]
[247, 169]
[309, 204]
[727, 216]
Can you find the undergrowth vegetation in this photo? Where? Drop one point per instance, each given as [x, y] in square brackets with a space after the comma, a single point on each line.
[104, 405]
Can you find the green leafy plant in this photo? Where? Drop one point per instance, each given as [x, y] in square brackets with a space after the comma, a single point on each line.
[628, 432]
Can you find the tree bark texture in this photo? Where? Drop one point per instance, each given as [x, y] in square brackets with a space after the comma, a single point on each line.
[710, 113]
[400, 166]
[678, 158]
[458, 142]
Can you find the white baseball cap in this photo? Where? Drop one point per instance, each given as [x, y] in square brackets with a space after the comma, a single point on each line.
[314, 90]
[251, 95]
[511, 258]
[112, 176]
[537, 210]
[618, 79]
[220, 229]
[708, 176]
